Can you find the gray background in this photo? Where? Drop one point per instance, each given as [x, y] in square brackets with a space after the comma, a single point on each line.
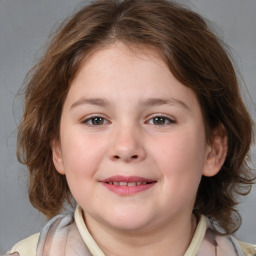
[24, 29]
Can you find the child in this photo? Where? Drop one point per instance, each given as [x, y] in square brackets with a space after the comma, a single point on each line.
[134, 111]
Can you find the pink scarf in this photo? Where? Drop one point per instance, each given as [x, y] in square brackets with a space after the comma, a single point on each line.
[61, 237]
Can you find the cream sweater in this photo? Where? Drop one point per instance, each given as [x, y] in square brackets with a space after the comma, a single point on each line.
[199, 245]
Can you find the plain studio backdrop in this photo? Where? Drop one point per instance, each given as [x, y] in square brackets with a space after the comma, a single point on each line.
[24, 29]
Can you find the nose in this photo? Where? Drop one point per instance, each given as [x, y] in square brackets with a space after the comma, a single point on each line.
[127, 145]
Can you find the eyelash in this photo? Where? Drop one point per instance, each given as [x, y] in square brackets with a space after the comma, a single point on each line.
[164, 118]
[89, 120]
[86, 121]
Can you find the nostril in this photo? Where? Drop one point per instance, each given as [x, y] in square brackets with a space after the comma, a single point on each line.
[132, 157]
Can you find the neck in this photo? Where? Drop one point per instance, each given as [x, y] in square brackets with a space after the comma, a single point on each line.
[174, 237]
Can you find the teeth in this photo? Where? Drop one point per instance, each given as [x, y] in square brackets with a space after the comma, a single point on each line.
[129, 184]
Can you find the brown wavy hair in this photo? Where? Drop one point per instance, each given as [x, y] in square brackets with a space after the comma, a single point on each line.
[194, 55]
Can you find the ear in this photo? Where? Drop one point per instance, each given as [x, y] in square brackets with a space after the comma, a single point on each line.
[217, 152]
[57, 156]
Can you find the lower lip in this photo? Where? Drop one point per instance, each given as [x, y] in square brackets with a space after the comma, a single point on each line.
[128, 190]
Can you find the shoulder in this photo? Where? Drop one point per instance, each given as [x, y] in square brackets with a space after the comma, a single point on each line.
[224, 244]
[248, 249]
[240, 247]
[26, 246]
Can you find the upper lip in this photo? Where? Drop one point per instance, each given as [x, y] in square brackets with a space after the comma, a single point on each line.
[119, 178]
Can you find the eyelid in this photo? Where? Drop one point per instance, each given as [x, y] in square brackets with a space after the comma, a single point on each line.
[172, 120]
[85, 119]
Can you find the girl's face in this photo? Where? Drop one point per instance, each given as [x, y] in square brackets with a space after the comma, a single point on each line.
[132, 141]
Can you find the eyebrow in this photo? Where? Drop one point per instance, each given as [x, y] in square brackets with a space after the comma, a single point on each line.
[159, 101]
[103, 102]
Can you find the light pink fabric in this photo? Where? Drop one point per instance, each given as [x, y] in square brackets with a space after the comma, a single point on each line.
[215, 245]
[60, 237]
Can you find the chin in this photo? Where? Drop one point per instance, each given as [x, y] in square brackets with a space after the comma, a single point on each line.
[128, 221]
[130, 227]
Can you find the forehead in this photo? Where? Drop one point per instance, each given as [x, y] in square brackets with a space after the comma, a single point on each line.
[129, 72]
[128, 50]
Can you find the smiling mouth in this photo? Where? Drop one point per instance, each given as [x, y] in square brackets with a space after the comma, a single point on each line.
[126, 186]
[129, 184]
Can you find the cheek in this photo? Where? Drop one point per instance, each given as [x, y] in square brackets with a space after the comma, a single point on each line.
[82, 154]
[82, 157]
[181, 167]
[181, 159]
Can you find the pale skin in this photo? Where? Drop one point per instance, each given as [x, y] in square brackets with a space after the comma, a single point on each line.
[127, 115]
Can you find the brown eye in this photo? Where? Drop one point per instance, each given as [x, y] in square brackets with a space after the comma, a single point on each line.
[161, 120]
[94, 121]
[97, 121]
